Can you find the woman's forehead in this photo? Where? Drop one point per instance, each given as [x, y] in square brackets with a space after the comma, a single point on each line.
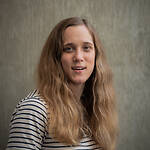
[76, 34]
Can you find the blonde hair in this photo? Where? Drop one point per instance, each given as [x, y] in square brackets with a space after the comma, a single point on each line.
[96, 113]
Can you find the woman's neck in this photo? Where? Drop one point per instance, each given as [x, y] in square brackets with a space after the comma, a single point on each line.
[77, 90]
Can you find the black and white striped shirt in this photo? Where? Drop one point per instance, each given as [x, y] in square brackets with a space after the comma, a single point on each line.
[28, 128]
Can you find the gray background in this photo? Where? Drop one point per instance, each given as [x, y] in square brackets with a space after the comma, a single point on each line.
[124, 28]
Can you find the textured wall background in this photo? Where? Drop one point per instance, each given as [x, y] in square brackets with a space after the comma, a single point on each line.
[124, 28]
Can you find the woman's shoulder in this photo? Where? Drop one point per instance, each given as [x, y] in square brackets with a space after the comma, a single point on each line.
[33, 98]
[32, 103]
[29, 123]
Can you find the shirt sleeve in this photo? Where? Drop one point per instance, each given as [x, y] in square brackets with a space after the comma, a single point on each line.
[28, 125]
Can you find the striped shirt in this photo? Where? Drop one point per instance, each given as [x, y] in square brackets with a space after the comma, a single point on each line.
[28, 128]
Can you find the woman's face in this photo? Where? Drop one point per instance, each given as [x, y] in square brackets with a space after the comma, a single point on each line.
[78, 57]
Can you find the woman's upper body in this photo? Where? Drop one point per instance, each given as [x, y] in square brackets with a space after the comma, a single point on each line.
[75, 86]
[29, 128]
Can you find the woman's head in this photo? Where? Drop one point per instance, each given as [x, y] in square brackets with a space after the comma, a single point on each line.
[55, 52]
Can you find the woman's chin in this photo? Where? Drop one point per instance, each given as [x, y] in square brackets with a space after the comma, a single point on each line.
[78, 81]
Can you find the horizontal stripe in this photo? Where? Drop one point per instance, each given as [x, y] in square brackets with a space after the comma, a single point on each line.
[25, 129]
[23, 133]
[29, 124]
[32, 116]
[33, 105]
[29, 109]
[38, 101]
[22, 147]
[22, 138]
[88, 145]
[19, 142]
[62, 146]
[87, 141]
[28, 119]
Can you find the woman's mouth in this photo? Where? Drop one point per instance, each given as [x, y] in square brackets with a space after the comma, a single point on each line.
[78, 68]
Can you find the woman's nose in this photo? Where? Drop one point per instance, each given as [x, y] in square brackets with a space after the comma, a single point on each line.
[78, 55]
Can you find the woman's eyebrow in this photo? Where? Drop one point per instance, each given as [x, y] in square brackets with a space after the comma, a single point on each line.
[89, 43]
[71, 44]
[68, 44]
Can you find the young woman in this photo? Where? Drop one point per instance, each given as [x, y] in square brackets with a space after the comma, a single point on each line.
[74, 104]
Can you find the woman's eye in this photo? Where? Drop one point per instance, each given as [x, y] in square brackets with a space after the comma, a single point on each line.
[68, 49]
[86, 48]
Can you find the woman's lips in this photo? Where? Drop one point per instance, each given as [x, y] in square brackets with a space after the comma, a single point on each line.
[78, 69]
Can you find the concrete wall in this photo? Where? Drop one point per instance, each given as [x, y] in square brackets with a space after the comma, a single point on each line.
[124, 28]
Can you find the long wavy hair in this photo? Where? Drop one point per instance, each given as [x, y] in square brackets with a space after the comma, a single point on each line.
[95, 114]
